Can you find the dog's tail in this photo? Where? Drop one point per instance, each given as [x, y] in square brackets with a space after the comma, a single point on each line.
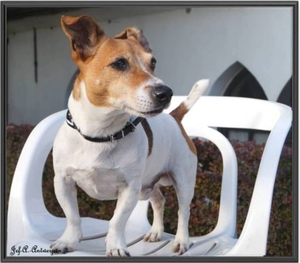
[197, 90]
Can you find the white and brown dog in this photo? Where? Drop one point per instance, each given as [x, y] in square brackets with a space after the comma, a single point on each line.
[103, 149]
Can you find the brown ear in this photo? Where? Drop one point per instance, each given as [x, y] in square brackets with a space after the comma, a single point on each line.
[133, 33]
[84, 34]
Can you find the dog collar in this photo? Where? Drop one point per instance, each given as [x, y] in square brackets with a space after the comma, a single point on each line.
[129, 127]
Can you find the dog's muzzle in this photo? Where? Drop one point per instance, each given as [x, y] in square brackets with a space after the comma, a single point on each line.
[162, 95]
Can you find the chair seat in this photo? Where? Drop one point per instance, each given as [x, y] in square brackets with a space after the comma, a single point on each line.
[93, 242]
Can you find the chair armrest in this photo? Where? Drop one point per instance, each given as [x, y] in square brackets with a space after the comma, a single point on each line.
[228, 201]
[26, 198]
[253, 238]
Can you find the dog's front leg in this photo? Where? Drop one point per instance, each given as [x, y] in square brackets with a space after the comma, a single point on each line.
[115, 240]
[66, 195]
[157, 201]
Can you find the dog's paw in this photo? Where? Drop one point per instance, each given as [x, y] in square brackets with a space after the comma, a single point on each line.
[63, 247]
[117, 252]
[67, 242]
[181, 246]
[116, 246]
[153, 235]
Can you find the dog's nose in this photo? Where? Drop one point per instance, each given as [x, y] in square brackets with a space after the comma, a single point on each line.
[162, 94]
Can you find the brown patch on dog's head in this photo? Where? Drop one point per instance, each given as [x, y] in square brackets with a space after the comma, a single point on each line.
[76, 93]
[114, 73]
[117, 72]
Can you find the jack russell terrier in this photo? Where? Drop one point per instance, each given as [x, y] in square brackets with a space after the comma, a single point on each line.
[110, 147]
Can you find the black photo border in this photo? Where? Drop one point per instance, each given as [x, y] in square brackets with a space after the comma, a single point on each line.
[188, 4]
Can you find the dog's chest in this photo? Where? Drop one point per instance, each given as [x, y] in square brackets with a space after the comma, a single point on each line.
[99, 183]
[101, 172]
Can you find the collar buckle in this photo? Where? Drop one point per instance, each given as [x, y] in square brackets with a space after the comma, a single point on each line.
[133, 126]
[112, 138]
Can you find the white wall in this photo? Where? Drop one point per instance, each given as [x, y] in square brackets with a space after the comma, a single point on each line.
[188, 46]
[30, 102]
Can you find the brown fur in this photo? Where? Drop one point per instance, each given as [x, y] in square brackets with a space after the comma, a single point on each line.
[83, 42]
[179, 112]
[134, 33]
[114, 85]
[76, 89]
[93, 52]
[178, 115]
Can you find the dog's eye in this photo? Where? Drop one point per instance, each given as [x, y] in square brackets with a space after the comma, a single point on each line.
[120, 64]
[153, 64]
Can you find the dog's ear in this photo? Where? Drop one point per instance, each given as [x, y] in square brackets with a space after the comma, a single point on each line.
[84, 35]
[133, 33]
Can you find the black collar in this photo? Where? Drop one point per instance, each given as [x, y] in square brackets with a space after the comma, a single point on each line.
[129, 127]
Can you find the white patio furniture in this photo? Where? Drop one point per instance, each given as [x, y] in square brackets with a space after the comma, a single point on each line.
[29, 222]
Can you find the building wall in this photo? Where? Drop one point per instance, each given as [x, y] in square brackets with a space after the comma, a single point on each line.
[188, 46]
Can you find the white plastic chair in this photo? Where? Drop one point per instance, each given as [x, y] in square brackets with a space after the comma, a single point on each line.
[29, 222]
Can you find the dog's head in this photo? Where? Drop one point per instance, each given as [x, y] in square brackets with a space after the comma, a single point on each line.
[117, 72]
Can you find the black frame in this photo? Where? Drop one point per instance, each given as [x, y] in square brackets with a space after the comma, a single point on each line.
[6, 5]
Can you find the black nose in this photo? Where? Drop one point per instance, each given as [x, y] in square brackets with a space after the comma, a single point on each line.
[162, 94]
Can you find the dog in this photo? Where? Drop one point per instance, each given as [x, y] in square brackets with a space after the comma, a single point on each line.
[116, 143]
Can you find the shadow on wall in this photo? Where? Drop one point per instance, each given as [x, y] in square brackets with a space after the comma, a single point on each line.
[238, 81]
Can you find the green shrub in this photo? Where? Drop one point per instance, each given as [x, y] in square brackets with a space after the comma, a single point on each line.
[16, 137]
[205, 204]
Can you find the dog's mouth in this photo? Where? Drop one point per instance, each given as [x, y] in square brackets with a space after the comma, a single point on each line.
[153, 112]
[145, 113]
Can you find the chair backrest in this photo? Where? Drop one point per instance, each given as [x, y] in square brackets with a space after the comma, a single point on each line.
[234, 112]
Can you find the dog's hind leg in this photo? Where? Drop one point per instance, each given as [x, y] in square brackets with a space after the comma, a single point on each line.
[66, 195]
[157, 201]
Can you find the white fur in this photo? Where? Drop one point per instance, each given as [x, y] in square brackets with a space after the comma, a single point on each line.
[122, 170]
[96, 120]
[143, 100]
[142, 64]
[195, 93]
